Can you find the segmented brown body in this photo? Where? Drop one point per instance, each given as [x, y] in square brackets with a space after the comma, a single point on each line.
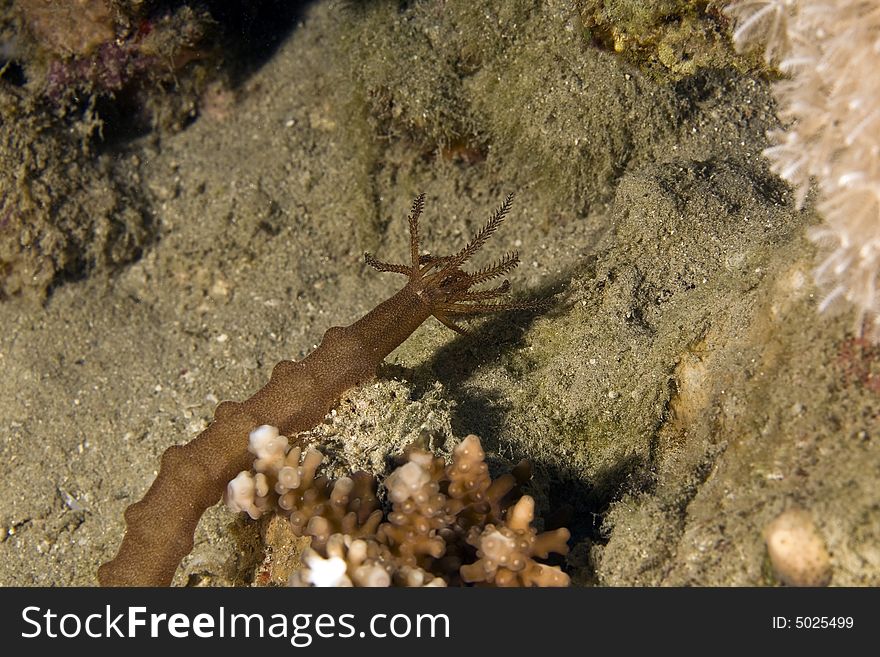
[192, 477]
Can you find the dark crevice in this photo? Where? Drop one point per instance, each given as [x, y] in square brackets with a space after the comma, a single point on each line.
[253, 30]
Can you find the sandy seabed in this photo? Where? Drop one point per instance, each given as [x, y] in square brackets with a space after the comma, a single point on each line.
[679, 395]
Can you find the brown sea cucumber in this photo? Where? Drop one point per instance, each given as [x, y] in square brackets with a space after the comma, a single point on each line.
[192, 477]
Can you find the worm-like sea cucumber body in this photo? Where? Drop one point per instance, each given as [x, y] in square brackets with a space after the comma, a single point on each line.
[192, 477]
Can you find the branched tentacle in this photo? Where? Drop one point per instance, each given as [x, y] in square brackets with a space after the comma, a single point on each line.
[417, 207]
[505, 265]
[483, 295]
[448, 323]
[445, 287]
[378, 265]
[482, 236]
[481, 308]
[429, 262]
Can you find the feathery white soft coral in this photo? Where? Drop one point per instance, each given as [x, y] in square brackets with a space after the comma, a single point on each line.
[763, 21]
[831, 51]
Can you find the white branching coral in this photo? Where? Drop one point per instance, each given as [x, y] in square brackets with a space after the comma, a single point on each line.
[830, 51]
[285, 480]
[248, 492]
[448, 524]
[359, 562]
[505, 552]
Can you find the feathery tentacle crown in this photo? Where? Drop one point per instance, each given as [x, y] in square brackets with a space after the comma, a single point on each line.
[442, 283]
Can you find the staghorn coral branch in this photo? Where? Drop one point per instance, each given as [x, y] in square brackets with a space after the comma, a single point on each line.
[439, 514]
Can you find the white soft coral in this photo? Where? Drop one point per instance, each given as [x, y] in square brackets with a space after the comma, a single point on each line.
[761, 21]
[831, 51]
